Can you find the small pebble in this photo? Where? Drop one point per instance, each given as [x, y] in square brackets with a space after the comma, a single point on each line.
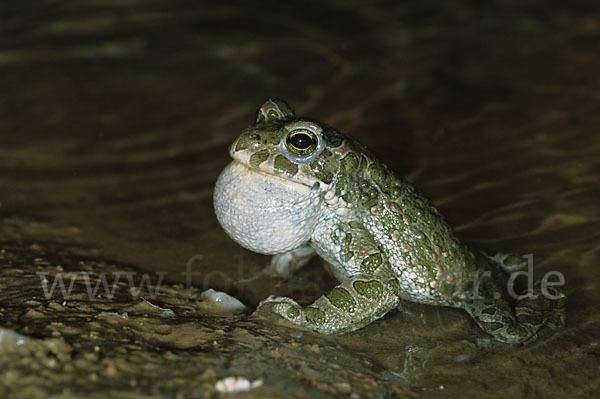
[237, 384]
[220, 301]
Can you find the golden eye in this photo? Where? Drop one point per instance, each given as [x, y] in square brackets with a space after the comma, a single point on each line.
[301, 141]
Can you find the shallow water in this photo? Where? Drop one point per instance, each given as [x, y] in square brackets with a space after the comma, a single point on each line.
[115, 119]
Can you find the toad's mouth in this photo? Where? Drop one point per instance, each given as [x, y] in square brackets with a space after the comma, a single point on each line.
[247, 171]
[294, 173]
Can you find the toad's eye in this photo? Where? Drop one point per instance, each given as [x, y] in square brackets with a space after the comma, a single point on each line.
[302, 143]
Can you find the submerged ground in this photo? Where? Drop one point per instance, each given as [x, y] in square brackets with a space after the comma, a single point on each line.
[115, 117]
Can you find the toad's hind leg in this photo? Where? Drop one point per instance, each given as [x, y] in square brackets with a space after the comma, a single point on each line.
[536, 315]
[348, 307]
[545, 310]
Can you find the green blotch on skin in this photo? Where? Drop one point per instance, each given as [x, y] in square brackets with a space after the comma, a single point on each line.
[538, 304]
[447, 288]
[347, 254]
[392, 221]
[489, 311]
[274, 109]
[315, 316]
[355, 225]
[254, 136]
[284, 165]
[513, 260]
[348, 167]
[395, 286]
[381, 176]
[271, 136]
[364, 322]
[341, 299]
[531, 319]
[371, 262]
[258, 157]
[370, 289]
[369, 197]
[324, 167]
[272, 114]
[293, 312]
[285, 112]
[333, 138]
[350, 162]
[492, 326]
[246, 140]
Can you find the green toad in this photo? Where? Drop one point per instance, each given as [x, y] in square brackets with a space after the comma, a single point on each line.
[298, 187]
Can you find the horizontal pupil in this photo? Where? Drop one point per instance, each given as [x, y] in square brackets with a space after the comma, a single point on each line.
[301, 141]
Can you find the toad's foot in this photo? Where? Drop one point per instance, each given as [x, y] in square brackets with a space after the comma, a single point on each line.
[546, 310]
[284, 265]
[287, 263]
[348, 307]
[536, 315]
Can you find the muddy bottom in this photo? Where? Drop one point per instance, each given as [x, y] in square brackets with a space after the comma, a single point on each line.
[115, 118]
[155, 339]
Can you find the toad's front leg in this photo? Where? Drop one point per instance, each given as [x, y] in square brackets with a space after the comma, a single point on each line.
[348, 307]
[369, 291]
